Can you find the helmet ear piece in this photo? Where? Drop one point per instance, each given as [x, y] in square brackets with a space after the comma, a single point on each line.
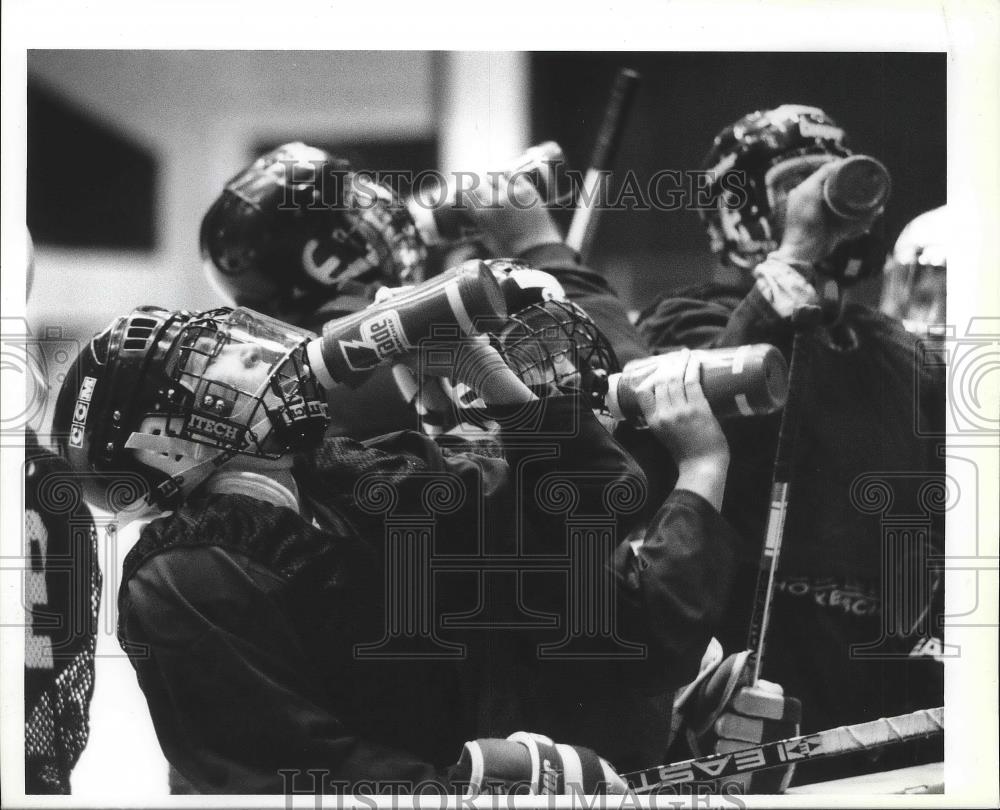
[171, 455]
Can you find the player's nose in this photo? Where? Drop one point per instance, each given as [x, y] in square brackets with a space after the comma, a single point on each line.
[250, 355]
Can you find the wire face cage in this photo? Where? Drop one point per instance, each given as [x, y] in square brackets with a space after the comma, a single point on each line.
[554, 347]
[245, 382]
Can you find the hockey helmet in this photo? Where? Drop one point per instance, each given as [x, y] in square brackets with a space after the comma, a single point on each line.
[753, 165]
[914, 285]
[299, 228]
[159, 400]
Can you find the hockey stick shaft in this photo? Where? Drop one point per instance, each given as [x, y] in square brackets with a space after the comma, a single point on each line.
[791, 418]
[830, 743]
[584, 223]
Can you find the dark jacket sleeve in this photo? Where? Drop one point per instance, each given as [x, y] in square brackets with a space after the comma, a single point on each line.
[753, 321]
[592, 292]
[233, 694]
[676, 584]
[716, 318]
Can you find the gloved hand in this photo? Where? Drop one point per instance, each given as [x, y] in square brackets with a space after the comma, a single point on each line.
[811, 232]
[724, 714]
[512, 216]
[531, 764]
[783, 286]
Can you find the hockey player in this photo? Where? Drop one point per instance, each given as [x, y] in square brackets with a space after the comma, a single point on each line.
[62, 595]
[302, 237]
[513, 220]
[299, 234]
[837, 640]
[555, 348]
[247, 599]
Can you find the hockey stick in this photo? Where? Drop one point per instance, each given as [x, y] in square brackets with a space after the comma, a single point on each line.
[583, 226]
[830, 743]
[804, 319]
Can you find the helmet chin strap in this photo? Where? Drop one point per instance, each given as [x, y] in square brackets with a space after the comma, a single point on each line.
[174, 491]
[179, 486]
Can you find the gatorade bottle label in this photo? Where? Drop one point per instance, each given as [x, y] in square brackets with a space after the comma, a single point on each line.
[381, 336]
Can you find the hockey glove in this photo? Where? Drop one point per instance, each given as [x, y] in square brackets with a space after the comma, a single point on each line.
[531, 764]
[725, 714]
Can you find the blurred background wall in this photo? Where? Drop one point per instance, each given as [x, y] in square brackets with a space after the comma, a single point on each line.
[195, 116]
[127, 149]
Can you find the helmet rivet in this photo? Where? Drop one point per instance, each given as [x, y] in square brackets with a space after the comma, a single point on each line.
[109, 447]
[170, 393]
[117, 416]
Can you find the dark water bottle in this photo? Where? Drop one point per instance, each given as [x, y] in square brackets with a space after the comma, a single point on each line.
[350, 348]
